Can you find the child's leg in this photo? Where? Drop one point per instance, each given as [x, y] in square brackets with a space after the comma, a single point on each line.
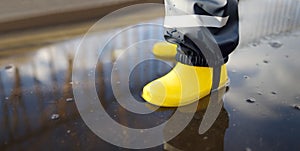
[205, 33]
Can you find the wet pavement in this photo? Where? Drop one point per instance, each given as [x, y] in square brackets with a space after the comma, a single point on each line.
[260, 110]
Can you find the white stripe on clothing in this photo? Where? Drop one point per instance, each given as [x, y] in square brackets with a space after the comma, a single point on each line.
[183, 21]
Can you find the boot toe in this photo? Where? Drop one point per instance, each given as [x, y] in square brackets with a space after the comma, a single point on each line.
[154, 93]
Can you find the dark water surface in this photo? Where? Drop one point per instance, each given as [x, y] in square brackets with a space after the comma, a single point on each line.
[38, 112]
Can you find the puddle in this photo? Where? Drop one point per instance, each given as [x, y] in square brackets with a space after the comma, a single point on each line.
[40, 84]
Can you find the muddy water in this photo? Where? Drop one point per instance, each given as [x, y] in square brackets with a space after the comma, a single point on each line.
[38, 112]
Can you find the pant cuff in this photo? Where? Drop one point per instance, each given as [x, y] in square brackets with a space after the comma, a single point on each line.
[199, 60]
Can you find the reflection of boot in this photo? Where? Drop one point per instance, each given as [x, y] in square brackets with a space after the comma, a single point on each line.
[181, 86]
[190, 139]
[164, 50]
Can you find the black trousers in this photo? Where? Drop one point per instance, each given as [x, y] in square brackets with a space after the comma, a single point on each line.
[205, 31]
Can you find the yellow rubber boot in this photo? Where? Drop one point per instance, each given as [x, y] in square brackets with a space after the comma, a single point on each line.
[164, 49]
[183, 85]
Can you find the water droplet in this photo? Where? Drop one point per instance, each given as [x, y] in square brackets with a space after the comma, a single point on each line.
[227, 87]
[6, 98]
[233, 71]
[259, 93]
[275, 44]
[251, 100]
[254, 44]
[234, 125]
[69, 99]
[266, 61]
[54, 116]
[246, 77]
[274, 93]
[205, 137]
[62, 141]
[297, 97]
[68, 131]
[248, 149]
[118, 82]
[8, 67]
[295, 106]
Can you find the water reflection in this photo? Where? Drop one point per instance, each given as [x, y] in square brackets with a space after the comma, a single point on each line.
[268, 17]
[36, 85]
[213, 139]
[26, 117]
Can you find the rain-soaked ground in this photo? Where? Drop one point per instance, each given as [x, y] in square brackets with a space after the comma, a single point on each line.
[261, 109]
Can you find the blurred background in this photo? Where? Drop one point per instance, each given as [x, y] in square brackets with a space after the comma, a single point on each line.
[36, 22]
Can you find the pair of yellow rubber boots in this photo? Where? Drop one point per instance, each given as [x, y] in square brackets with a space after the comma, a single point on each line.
[183, 85]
